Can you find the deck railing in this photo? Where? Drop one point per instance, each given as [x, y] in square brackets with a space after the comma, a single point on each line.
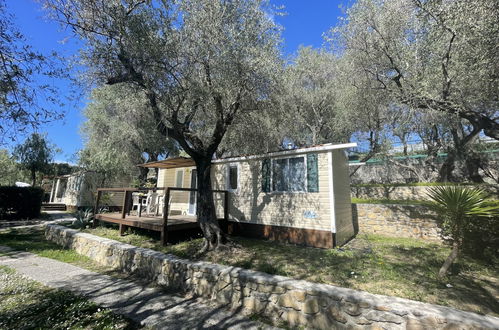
[127, 199]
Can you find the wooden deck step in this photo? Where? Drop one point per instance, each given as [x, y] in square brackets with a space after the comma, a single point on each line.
[53, 207]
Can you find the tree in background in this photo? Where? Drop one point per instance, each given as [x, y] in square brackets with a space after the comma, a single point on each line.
[120, 133]
[437, 59]
[202, 65]
[35, 155]
[312, 99]
[21, 92]
[9, 168]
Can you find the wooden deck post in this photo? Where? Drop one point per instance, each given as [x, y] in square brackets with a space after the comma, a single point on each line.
[123, 210]
[122, 229]
[96, 207]
[164, 231]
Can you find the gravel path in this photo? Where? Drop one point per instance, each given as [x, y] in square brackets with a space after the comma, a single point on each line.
[149, 306]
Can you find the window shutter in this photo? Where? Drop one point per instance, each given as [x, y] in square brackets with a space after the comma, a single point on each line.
[266, 175]
[312, 173]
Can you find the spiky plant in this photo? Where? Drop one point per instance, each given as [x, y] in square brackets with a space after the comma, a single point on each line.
[83, 218]
[458, 206]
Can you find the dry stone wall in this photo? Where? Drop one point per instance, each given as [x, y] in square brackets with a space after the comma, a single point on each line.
[406, 192]
[299, 303]
[411, 221]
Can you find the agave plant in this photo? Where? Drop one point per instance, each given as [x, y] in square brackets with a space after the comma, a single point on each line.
[458, 206]
[83, 218]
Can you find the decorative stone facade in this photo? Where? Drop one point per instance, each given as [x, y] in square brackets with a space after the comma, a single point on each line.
[412, 221]
[299, 303]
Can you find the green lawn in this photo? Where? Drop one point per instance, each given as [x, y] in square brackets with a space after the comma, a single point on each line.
[33, 240]
[391, 266]
[26, 304]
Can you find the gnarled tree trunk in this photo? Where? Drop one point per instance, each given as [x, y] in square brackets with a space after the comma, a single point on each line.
[205, 207]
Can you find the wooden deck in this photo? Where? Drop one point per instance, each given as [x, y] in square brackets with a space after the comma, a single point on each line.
[163, 224]
[175, 222]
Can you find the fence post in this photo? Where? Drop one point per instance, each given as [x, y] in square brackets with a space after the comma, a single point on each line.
[164, 231]
[96, 208]
[123, 210]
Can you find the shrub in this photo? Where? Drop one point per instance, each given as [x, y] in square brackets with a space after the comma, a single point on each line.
[20, 202]
[464, 211]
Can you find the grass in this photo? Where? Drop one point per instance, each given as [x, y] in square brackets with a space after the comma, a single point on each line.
[382, 265]
[26, 304]
[33, 240]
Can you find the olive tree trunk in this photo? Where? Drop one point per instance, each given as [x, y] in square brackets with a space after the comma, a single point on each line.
[206, 212]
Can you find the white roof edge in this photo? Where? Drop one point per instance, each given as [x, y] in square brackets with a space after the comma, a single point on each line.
[325, 147]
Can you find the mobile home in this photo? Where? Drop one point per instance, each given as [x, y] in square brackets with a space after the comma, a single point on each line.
[300, 196]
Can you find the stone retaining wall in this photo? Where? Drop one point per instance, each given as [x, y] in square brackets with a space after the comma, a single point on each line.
[391, 192]
[298, 303]
[411, 221]
[406, 192]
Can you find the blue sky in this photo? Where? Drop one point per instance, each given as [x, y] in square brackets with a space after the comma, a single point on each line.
[304, 24]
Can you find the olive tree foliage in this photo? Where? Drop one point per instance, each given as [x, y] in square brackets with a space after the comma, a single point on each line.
[28, 96]
[311, 99]
[202, 65]
[9, 172]
[437, 59]
[322, 104]
[119, 133]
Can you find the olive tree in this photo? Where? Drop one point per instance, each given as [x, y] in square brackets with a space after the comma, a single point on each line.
[10, 170]
[202, 65]
[434, 57]
[27, 78]
[119, 133]
[311, 98]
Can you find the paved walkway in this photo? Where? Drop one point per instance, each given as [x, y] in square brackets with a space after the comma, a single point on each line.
[55, 217]
[148, 306]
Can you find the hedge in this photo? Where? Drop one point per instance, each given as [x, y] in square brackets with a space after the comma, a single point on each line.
[20, 202]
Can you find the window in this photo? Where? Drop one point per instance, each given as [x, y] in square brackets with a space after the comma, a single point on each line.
[296, 174]
[179, 178]
[288, 174]
[232, 177]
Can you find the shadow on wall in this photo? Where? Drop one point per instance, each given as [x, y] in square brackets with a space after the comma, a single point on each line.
[355, 220]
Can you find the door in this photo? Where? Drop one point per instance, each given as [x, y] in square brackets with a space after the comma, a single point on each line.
[192, 194]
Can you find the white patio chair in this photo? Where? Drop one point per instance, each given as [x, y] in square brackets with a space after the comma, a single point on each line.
[135, 202]
[152, 203]
[161, 201]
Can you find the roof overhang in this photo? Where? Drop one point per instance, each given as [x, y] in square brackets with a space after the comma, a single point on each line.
[170, 163]
[320, 148]
[188, 162]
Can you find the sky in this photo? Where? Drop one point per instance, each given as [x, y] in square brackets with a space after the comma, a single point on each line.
[304, 24]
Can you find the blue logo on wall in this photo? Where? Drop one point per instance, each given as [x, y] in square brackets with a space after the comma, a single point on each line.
[310, 214]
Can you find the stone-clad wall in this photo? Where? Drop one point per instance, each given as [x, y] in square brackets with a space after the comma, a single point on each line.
[299, 303]
[412, 221]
